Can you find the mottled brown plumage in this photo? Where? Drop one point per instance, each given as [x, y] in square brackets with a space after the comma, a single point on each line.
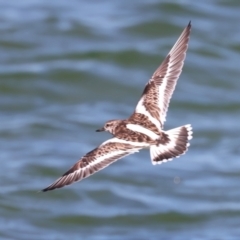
[150, 101]
[159, 89]
[144, 128]
[143, 120]
[87, 163]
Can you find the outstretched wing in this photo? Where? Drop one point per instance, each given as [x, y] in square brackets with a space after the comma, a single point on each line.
[159, 89]
[99, 158]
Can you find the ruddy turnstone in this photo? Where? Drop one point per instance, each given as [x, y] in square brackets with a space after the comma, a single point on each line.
[144, 128]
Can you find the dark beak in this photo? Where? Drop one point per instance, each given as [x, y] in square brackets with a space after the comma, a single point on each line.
[100, 130]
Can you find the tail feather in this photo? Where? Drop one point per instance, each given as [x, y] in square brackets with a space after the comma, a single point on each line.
[173, 144]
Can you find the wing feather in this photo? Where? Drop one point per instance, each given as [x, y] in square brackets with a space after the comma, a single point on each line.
[99, 158]
[159, 89]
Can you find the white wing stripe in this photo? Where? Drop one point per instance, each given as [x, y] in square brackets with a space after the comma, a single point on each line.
[141, 129]
[134, 144]
[165, 78]
[141, 109]
[106, 156]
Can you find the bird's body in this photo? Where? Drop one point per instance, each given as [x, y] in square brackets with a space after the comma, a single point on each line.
[134, 131]
[144, 128]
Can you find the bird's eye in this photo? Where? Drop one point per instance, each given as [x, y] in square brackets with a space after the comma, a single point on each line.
[107, 125]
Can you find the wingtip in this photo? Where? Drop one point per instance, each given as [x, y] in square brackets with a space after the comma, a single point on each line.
[44, 190]
[49, 188]
[189, 24]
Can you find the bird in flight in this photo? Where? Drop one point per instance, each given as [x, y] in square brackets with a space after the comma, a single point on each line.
[144, 128]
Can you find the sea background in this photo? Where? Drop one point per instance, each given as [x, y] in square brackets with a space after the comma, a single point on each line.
[66, 67]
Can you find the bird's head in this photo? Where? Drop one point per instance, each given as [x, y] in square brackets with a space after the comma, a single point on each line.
[109, 126]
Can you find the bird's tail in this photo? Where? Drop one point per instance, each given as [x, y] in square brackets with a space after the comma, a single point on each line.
[173, 144]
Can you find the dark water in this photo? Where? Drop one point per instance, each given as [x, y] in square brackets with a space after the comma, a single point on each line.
[68, 66]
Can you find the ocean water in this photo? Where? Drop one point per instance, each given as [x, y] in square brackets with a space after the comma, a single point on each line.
[66, 67]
